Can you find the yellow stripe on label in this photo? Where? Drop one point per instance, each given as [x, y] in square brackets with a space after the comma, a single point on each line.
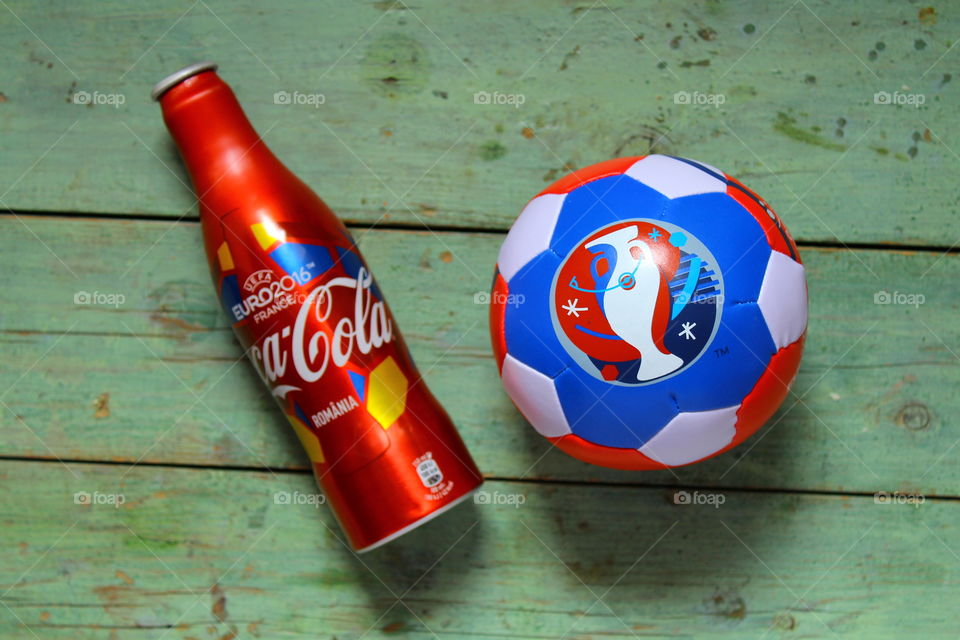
[387, 392]
[225, 258]
[267, 234]
[307, 439]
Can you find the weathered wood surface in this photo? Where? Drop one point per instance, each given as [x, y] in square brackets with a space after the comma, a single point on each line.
[400, 138]
[195, 553]
[158, 378]
[201, 548]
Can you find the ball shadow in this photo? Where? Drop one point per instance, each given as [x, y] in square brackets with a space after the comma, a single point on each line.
[671, 535]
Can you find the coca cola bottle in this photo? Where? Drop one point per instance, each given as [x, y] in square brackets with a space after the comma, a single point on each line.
[315, 325]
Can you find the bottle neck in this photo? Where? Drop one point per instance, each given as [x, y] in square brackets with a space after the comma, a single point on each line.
[219, 146]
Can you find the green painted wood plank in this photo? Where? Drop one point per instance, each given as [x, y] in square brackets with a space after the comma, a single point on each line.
[399, 136]
[96, 382]
[206, 554]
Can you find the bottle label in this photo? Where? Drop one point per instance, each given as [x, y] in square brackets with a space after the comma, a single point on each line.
[321, 337]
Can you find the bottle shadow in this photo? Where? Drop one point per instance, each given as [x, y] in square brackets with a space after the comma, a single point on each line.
[426, 569]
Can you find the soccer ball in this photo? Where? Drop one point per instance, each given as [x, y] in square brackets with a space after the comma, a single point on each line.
[648, 312]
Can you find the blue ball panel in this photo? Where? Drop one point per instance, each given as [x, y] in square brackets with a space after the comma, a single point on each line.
[590, 406]
[583, 212]
[528, 326]
[733, 236]
[730, 367]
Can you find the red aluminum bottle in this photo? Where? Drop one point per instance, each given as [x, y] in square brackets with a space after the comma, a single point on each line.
[314, 323]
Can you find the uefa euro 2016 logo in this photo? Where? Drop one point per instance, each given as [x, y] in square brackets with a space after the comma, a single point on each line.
[637, 301]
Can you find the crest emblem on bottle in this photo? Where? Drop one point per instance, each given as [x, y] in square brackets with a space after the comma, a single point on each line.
[637, 301]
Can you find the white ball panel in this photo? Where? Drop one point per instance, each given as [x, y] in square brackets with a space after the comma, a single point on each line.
[530, 234]
[674, 178]
[783, 299]
[536, 397]
[708, 166]
[692, 435]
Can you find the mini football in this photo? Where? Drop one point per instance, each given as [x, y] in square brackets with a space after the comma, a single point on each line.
[648, 312]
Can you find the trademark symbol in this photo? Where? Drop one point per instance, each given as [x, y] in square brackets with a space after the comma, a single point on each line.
[722, 351]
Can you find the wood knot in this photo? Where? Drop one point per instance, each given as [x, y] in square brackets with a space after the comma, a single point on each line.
[913, 416]
[785, 621]
[726, 603]
[102, 406]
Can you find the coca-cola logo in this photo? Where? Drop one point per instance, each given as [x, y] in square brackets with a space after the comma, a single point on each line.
[316, 339]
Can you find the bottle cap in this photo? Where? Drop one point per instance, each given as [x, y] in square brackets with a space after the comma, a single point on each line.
[177, 77]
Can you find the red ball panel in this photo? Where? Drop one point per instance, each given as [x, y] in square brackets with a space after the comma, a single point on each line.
[581, 177]
[769, 392]
[776, 232]
[498, 309]
[626, 459]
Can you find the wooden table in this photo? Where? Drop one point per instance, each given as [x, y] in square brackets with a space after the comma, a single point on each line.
[135, 395]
